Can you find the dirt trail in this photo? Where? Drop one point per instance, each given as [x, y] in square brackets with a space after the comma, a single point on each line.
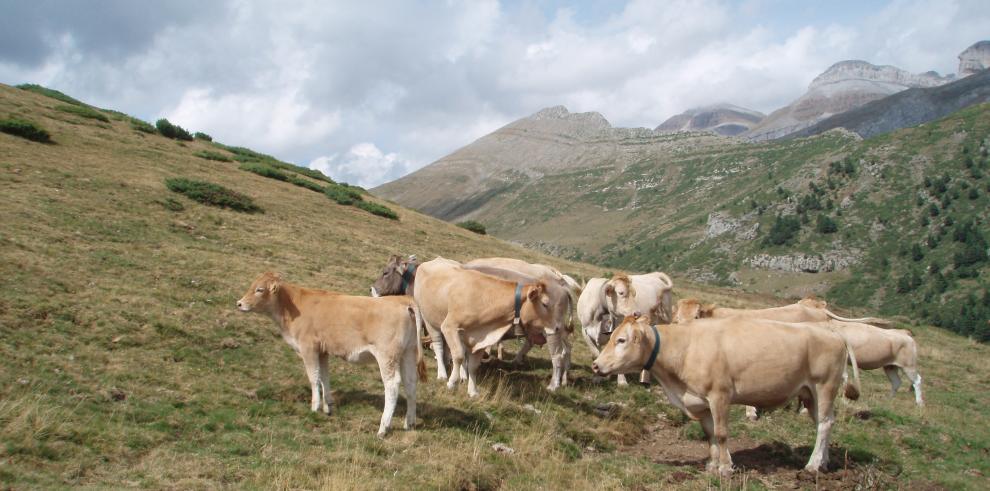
[775, 465]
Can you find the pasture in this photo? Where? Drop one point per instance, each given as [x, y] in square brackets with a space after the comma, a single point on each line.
[123, 362]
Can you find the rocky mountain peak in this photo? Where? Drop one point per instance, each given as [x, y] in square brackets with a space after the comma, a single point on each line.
[859, 70]
[974, 59]
[591, 119]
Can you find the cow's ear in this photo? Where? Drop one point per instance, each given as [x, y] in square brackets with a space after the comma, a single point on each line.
[535, 291]
[273, 287]
[706, 310]
[609, 289]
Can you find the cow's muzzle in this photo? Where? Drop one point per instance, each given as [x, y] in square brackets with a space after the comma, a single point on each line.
[595, 369]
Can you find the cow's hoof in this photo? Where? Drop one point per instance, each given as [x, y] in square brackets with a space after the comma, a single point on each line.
[711, 467]
[725, 470]
[553, 388]
[381, 434]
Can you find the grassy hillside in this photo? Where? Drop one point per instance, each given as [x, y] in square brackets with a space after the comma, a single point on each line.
[124, 364]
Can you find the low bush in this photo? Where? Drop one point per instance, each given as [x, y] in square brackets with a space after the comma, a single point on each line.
[303, 183]
[208, 155]
[54, 94]
[826, 225]
[264, 171]
[212, 194]
[173, 131]
[476, 227]
[783, 230]
[25, 129]
[83, 111]
[199, 135]
[342, 194]
[377, 209]
[142, 126]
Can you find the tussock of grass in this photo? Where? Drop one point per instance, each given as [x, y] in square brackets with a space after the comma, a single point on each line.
[142, 126]
[83, 111]
[264, 171]
[474, 226]
[208, 155]
[377, 209]
[212, 194]
[25, 129]
[342, 194]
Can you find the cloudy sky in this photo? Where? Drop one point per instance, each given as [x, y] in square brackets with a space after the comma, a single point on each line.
[368, 91]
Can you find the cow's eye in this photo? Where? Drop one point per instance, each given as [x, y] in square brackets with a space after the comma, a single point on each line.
[620, 340]
[259, 290]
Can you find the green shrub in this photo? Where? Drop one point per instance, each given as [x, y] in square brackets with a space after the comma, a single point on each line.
[54, 94]
[199, 135]
[25, 129]
[377, 209]
[83, 111]
[212, 194]
[264, 171]
[311, 173]
[142, 126]
[783, 230]
[303, 183]
[826, 225]
[342, 194]
[246, 155]
[173, 131]
[476, 227]
[208, 155]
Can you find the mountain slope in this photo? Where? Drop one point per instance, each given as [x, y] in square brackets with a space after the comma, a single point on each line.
[723, 119]
[908, 108]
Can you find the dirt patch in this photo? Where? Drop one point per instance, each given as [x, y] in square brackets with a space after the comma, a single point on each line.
[775, 465]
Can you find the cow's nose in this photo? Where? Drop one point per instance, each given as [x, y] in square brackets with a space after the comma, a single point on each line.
[238, 304]
[594, 367]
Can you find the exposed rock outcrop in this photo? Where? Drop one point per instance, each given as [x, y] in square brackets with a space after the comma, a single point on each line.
[803, 263]
[974, 59]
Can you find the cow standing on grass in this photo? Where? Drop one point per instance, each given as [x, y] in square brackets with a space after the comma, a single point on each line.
[558, 339]
[605, 302]
[317, 324]
[706, 365]
[474, 311]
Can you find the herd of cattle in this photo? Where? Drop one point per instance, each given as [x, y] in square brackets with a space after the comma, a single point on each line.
[705, 358]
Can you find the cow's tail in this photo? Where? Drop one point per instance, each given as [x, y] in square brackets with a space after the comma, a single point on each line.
[852, 387]
[420, 364]
[876, 321]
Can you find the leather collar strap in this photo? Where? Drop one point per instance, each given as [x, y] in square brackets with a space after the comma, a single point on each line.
[407, 276]
[656, 349]
[518, 306]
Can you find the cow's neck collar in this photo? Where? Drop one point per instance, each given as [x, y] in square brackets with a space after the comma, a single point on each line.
[517, 308]
[656, 349]
[408, 276]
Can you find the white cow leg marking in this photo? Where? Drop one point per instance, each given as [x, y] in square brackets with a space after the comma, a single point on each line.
[325, 383]
[409, 381]
[622, 379]
[556, 360]
[390, 378]
[916, 385]
[819, 456]
[437, 344]
[473, 361]
[895, 379]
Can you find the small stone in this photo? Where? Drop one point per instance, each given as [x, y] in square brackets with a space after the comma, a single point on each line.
[503, 448]
[532, 409]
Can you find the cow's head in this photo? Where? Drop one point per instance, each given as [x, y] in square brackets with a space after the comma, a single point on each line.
[391, 280]
[262, 295]
[691, 308]
[620, 295]
[540, 313]
[627, 350]
[813, 302]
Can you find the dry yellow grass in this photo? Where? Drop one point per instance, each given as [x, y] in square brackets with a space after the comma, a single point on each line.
[124, 363]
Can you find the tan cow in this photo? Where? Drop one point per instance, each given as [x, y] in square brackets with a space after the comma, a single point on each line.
[807, 310]
[706, 365]
[557, 336]
[604, 302]
[474, 310]
[890, 349]
[317, 324]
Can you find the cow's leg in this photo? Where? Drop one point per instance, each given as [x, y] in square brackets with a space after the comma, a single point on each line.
[565, 339]
[499, 351]
[822, 407]
[473, 361]
[621, 379]
[521, 355]
[325, 383]
[719, 406]
[708, 426]
[409, 379]
[453, 336]
[556, 349]
[752, 414]
[915, 378]
[390, 379]
[895, 379]
[436, 343]
[311, 361]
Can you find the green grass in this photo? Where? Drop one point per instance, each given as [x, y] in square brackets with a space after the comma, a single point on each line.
[54, 94]
[83, 111]
[143, 126]
[212, 194]
[25, 129]
[377, 209]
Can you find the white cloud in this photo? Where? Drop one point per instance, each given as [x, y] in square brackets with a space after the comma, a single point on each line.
[363, 164]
